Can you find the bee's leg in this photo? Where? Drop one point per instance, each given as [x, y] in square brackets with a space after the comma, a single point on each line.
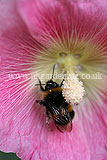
[62, 83]
[41, 102]
[72, 114]
[48, 124]
[47, 117]
[41, 87]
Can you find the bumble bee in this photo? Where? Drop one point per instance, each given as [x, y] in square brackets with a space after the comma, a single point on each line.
[57, 108]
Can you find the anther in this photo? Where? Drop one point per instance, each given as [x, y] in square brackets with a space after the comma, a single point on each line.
[77, 56]
[63, 54]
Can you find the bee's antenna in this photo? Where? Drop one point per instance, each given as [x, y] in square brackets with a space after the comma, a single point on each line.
[39, 82]
[54, 67]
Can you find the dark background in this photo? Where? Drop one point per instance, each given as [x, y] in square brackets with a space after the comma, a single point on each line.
[8, 156]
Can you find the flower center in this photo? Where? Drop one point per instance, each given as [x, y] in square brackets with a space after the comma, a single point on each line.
[67, 60]
[81, 57]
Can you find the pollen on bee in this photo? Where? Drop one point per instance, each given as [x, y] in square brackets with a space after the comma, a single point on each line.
[73, 89]
[69, 108]
[50, 116]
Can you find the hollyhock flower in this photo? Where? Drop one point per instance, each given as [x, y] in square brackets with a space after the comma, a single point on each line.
[35, 35]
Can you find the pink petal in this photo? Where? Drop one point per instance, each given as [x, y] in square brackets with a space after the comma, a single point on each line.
[22, 122]
[13, 36]
[35, 141]
[45, 18]
[94, 121]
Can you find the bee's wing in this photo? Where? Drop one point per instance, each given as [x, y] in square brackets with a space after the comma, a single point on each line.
[53, 111]
[62, 128]
[67, 127]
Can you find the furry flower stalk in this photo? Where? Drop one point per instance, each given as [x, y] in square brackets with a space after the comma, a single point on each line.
[35, 35]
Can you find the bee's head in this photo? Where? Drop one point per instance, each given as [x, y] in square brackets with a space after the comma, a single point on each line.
[50, 84]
